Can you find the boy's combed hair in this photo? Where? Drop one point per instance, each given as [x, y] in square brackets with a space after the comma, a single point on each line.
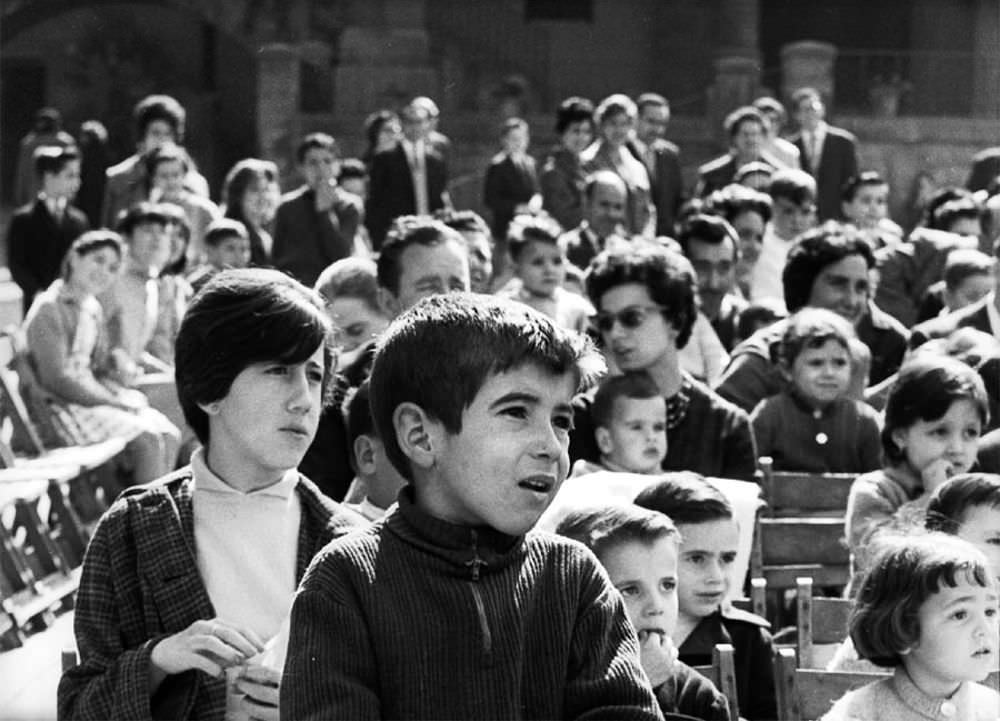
[606, 527]
[668, 277]
[812, 328]
[813, 252]
[856, 182]
[525, 229]
[221, 228]
[924, 390]
[686, 498]
[319, 141]
[904, 572]
[964, 263]
[405, 231]
[350, 277]
[950, 501]
[53, 158]
[464, 221]
[710, 229]
[439, 353]
[795, 186]
[632, 385]
[242, 317]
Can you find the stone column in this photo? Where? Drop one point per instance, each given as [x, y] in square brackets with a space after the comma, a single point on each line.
[737, 61]
[385, 58]
[986, 59]
[277, 100]
[808, 64]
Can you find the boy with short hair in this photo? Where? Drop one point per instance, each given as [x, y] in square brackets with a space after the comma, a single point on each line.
[41, 232]
[630, 426]
[227, 245]
[450, 607]
[539, 264]
[865, 203]
[709, 539]
[793, 198]
[639, 548]
[968, 278]
[376, 482]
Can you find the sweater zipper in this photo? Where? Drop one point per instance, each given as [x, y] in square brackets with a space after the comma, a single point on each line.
[475, 564]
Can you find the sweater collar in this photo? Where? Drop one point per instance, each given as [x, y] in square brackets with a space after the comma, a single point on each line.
[472, 551]
[939, 709]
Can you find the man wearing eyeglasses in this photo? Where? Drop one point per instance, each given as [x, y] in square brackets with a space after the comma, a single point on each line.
[645, 297]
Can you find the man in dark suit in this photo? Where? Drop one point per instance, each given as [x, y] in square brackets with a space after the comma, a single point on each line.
[827, 153]
[985, 167]
[316, 224]
[661, 158]
[41, 232]
[745, 128]
[511, 180]
[410, 179]
[604, 199]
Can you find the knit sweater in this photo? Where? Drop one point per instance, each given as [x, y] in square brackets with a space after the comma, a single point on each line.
[417, 618]
[898, 699]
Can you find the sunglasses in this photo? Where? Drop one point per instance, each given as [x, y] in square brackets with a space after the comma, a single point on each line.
[630, 318]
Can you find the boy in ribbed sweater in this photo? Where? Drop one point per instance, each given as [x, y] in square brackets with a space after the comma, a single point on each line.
[451, 607]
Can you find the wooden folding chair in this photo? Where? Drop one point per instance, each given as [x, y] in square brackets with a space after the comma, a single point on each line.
[795, 494]
[722, 673]
[820, 622]
[807, 694]
[785, 549]
[757, 601]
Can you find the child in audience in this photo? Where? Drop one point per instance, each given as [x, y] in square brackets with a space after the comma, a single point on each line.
[638, 548]
[227, 245]
[865, 203]
[793, 198]
[709, 539]
[69, 387]
[968, 278]
[450, 606]
[927, 608]
[630, 426]
[187, 581]
[166, 168]
[812, 425]
[934, 415]
[479, 242]
[539, 263]
[376, 481]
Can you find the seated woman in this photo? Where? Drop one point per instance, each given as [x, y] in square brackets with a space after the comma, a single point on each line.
[69, 389]
[189, 579]
[828, 267]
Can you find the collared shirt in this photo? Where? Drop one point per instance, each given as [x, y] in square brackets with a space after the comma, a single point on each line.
[55, 206]
[246, 547]
[416, 155]
[813, 143]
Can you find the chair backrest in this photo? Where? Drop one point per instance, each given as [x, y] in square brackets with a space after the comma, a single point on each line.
[722, 673]
[791, 493]
[820, 621]
[788, 548]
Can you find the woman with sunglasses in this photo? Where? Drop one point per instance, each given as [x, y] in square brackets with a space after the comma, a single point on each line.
[645, 298]
[828, 267]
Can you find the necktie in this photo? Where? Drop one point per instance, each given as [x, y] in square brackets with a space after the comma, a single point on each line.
[420, 180]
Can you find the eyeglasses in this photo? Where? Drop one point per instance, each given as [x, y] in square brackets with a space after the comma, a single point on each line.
[630, 318]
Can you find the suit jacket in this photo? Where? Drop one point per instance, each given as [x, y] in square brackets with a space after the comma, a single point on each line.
[390, 189]
[582, 244]
[838, 161]
[908, 269]
[307, 241]
[973, 316]
[666, 182]
[37, 244]
[985, 167]
[562, 181]
[508, 184]
[715, 175]
[140, 583]
[127, 184]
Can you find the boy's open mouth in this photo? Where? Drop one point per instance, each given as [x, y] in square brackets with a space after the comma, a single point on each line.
[538, 484]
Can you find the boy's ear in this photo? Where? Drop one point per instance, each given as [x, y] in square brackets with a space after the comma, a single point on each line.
[364, 455]
[210, 408]
[603, 438]
[416, 434]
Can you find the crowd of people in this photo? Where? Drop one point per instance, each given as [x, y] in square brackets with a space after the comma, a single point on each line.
[378, 394]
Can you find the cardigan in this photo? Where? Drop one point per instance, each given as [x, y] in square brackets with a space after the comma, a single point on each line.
[751, 640]
[419, 618]
[897, 698]
[140, 584]
[841, 438]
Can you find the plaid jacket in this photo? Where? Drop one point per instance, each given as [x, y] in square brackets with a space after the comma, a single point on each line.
[140, 583]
